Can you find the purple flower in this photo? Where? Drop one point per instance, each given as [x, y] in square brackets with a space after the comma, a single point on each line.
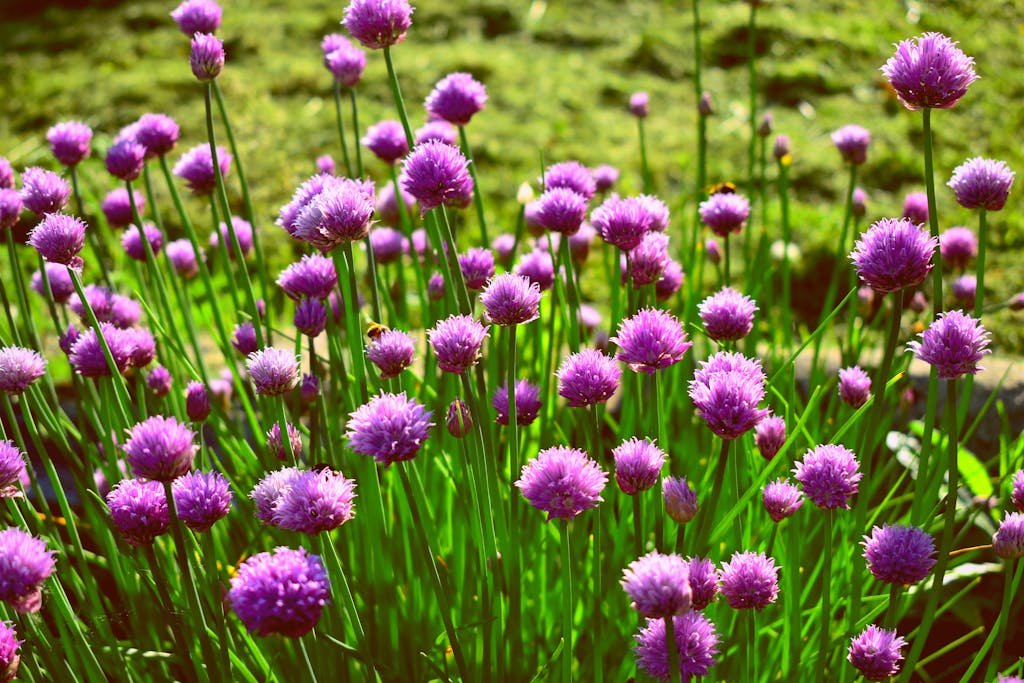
[651, 340]
[456, 98]
[160, 448]
[638, 464]
[10, 207]
[159, 381]
[727, 398]
[6, 174]
[346, 64]
[273, 371]
[703, 582]
[1008, 541]
[436, 173]
[243, 232]
[202, 498]
[559, 209]
[456, 341]
[197, 401]
[310, 317]
[12, 470]
[915, 208]
[138, 508]
[207, 56]
[571, 175]
[588, 377]
[528, 403]
[705, 106]
[639, 105]
[680, 499]
[671, 280]
[727, 315]
[622, 222]
[43, 191]
[605, 177]
[59, 238]
[19, 368]
[563, 482]
[197, 16]
[277, 446]
[511, 299]
[854, 386]
[118, 209]
[313, 276]
[283, 591]
[725, 212]
[1017, 492]
[781, 148]
[579, 243]
[435, 287]
[441, 131]
[392, 352]
[69, 141]
[183, 258]
[388, 209]
[714, 251]
[309, 388]
[769, 435]
[929, 71]
[25, 564]
[954, 343]
[860, 202]
[131, 241]
[958, 246]
[875, 653]
[965, 288]
[696, 642]
[325, 164]
[9, 652]
[750, 581]
[157, 133]
[781, 499]
[658, 585]
[852, 142]
[648, 259]
[656, 209]
[538, 267]
[87, 357]
[459, 420]
[378, 24]
[125, 159]
[143, 346]
[269, 490]
[386, 139]
[982, 183]
[893, 254]
[315, 501]
[390, 428]
[303, 196]
[195, 167]
[900, 555]
[829, 476]
[244, 338]
[388, 244]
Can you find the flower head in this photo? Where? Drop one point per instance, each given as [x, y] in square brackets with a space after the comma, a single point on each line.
[954, 343]
[769, 435]
[648, 259]
[638, 464]
[69, 141]
[1017, 491]
[202, 498]
[207, 56]
[283, 592]
[651, 340]
[195, 167]
[342, 212]
[511, 299]
[571, 175]
[750, 581]
[901, 555]
[658, 585]
[277, 446]
[588, 377]
[6, 174]
[197, 401]
[25, 564]
[125, 159]
[528, 403]
[726, 390]
[12, 469]
[727, 315]
[854, 386]
[460, 419]
[725, 212]
[197, 16]
[982, 183]
[965, 288]
[131, 241]
[390, 428]
[243, 233]
[929, 71]
[388, 208]
[118, 209]
[313, 276]
[391, 352]
[639, 105]
[622, 222]
[183, 258]
[378, 24]
[696, 641]
[43, 191]
[852, 142]
[346, 64]
[860, 202]
[436, 173]
[875, 653]
[9, 652]
[781, 499]
[315, 501]
[457, 341]
[138, 508]
[269, 490]
[538, 267]
[605, 177]
[915, 208]
[703, 582]
[829, 476]
[559, 209]
[671, 280]
[958, 246]
[456, 98]
[160, 448]
[159, 381]
[893, 254]
[244, 338]
[59, 238]
[310, 317]
[19, 368]
[1008, 541]
[477, 266]
[386, 140]
[10, 207]
[273, 371]
[680, 499]
[563, 482]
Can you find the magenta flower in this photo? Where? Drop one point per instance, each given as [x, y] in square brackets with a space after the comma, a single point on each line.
[770, 435]
[437, 174]
[1017, 491]
[750, 581]
[860, 202]
[511, 300]
[390, 428]
[622, 222]
[197, 16]
[303, 196]
[157, 133]
[456, 98]
[647, 260]
[12, 470]
[392, 352]
[876, 653]
[315, 501]
[138, 508]
[725, 213]
[639, 105]
[313, 276]
[954, 343]
[342, 212]
[59, 238]
[638, 464]
[195, 167]
[388, 211]
[965, 288]
[929, 72]
[900, 555]
[310, 317]
[69, 141]
[572, 175]
[696, 642]
[852, 142]
[680, 499]
[6, 174]
[243, 338]
[19, 368]
[207, 56]
[477, 266]
[10, 208]
[273, 371]
[160, 448]
[538, 267]
[459, 420]
[43, 191]
[183, 258]
[117, 207]
[378, 24]
[386, 140]
[579, 243]
[658, 585]
[346, 63]
[727, 315]
[125, 159]
[1008, 541]
[893, 254]
[588, 377]
[131, 241]
[829, 476]
[528, 403]
[197, 401]
[441, 131]
[726, 390]
[605, 177]
[671, 280]
[982, 183]
[243, 232]
[854, 386]
[457, 342]
[563, 482]
[781, 499]
[651, 340]
[958, 246]
[276, 445]
[10, 648]
[202, 498]
[25, 563]
[283, 592]
[159, 381]
[703, 582]
[915, 208]
[560, 209]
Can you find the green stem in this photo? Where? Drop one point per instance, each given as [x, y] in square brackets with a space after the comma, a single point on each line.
[1011, 582]
[727, 270]
[457, 281]
[979, 297]
[98, 250]
[751, 658]
[826, 599]
[396, 92]
[644, 170]
[515, 579]
[752, 90]
[566, 605]
[833, 285]
[306, 660]
[674, 672]
[892, 613]
[787, 297]
[708, 515]
[355, 131]
[351, 303]
[478, 198]
[341, 129]
[638, 524]
[933, 214]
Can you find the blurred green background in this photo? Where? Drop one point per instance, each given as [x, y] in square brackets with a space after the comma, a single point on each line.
[559, 75]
